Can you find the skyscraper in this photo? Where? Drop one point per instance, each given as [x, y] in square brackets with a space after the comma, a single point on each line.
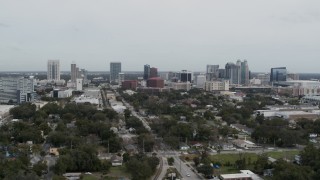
[212, 72]
[53, 72]
[233, 72]
[146, 72]
[115, 69]
[244, 73]
[278, 74]
[73, 72]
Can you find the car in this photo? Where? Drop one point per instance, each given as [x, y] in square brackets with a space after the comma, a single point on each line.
[188, 175]
[89, 173]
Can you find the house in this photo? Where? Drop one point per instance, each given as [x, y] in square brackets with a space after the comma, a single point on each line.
[116, 160]
[245, 144]
[54, 151]
[184, 147]
[242, 128]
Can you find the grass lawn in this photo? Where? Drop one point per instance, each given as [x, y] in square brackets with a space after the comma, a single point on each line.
[119, 171]
[89, 177]
[231, 158]
[283, 154]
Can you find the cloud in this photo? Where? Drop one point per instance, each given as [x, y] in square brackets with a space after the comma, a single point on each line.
[3, 25]
[310, 17]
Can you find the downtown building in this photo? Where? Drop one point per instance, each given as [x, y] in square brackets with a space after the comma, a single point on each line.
[16, 89]
[237, 74]
[53, 70]
[278, 74]
[115, 69]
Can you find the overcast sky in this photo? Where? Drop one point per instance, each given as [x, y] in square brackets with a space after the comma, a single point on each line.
[168, 34]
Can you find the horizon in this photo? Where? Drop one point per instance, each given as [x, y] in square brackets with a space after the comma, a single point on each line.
[167, 35]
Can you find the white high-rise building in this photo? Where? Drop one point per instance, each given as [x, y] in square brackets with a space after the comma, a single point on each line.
[115, 69]
[53, 72]
[217, 85]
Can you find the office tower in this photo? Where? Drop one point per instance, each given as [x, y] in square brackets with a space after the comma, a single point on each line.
[53, 72]
[73, 73]
[146, 72]
[185, 76]
[212, 72]
[16, 89]
[222, 73]
[79, 83]
[278, 74]
[115, 69]
[233, 72]
[244, 73]
[153, 72]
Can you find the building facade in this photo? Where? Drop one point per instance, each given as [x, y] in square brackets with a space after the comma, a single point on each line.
[212, 72]
[16, 89]
[74, 73]
[155, 82]
[153, 72]
[217, 85]
[244, 73]
[53, 70]
[278, 74]
[115, 69]
[233, 73]
[146, 72]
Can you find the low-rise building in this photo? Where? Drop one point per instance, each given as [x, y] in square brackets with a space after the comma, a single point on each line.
[243, 175]
[116, 160]
[217, 85]
[245, 144]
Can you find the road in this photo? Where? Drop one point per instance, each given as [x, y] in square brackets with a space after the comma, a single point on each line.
[134, 113]
[181, 166]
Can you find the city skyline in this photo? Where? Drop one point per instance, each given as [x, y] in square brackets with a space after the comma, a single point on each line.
[169, 35]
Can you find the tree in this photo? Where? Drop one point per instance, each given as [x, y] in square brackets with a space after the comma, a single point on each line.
[261, 163]
[39, 168]
[206, 169]
[170, 161]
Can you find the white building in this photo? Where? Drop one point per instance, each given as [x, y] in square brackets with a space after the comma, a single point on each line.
[53, 72]
[180, 85]
[16, 89]
[217, 85]
[201, 80]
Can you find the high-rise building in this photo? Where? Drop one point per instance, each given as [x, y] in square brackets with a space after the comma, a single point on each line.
[278, 74]
[73, 72]
[153, 72]
[146, 72]
[293, 76]
[115, 69]
[53, 72]
[245, 73]
[185, 76]
[233, 72]
[212, 72]
[16, 89]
